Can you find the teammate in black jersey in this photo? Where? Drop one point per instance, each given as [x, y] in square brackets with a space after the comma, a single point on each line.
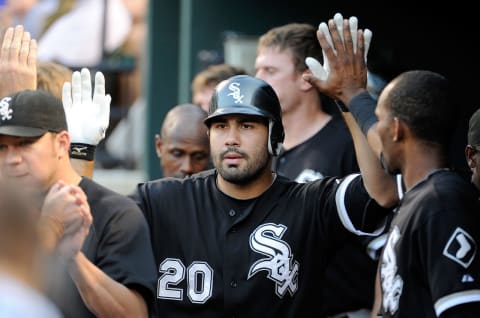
[430, 265]
[109, 263]
[239, 240]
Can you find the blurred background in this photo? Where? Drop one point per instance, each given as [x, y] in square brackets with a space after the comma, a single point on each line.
[150, 51]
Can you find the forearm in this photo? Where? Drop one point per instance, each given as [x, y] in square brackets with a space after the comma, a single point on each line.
[380, 185]
[102, 295]
[377, 302]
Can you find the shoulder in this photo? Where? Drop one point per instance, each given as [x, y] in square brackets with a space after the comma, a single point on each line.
[97, 193]
[106, 204]
[164, 186]
[444, 185]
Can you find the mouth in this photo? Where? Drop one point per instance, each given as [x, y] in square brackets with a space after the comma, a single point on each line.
[232, 158]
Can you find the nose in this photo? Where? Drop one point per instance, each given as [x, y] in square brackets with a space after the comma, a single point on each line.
[232, 136]
[187, 166]
[12, 156]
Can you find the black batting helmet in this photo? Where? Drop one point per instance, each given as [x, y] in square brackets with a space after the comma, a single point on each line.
[243, 94]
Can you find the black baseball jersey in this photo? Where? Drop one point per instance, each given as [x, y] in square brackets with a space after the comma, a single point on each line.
[430, 263]
[118, 243]
[265, 257]
[329, 152]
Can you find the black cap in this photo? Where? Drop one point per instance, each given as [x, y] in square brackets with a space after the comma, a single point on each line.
[31, 114]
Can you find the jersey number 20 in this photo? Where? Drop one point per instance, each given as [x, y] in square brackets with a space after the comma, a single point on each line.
[199, 280]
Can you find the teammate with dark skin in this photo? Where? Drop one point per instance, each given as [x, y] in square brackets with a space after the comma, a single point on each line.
[182, 145]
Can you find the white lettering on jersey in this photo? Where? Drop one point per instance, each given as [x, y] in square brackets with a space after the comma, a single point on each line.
[199, 280]
[266, 239]
[392, 283]
[461, 247]
[235, 92]
[308, 175]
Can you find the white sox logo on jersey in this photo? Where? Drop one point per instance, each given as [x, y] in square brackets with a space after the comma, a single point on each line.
[235, 88]
[281, 268]
[392, 283]
[5, 110]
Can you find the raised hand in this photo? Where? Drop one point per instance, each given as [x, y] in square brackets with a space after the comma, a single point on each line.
[346, 57]
[18, 61]
[87, 116]
[321, 72]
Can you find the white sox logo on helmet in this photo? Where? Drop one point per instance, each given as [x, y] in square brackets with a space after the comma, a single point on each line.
[235, 88]
[281, 268]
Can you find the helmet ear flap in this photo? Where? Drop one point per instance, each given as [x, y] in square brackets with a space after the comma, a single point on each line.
[275, 138]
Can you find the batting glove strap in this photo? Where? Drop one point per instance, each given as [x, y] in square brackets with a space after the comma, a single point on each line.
[82, 151]
[362, 108]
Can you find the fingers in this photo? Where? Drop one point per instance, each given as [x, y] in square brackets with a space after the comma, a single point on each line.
[24, 48]
[86, 95]
[316, 68]
[347, 34]
[16, 46]
[76, 88]
[334, 33]
[323, 28]
[16, 43]
[338, 19]
[353, 23]
[367, 38]
[32, 54]
[99, 93]
[67, 96]
[7, 42]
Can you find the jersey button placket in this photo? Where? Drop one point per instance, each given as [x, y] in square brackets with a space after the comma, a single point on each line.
[233, 284]
[232, 213]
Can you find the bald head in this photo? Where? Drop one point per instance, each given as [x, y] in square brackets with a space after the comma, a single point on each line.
[183, 146]
[185, 120]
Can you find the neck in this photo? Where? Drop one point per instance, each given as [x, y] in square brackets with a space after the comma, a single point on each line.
[422, 160]
[250, 190]
[303, 122]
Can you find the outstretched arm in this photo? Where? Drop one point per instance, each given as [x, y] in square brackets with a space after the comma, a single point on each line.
[344, 77]
[346, 81]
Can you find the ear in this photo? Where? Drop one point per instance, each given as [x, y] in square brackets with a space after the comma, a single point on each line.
[304, 85]
[158, 145]
[469, 155]
[62, 141]
[398, 130]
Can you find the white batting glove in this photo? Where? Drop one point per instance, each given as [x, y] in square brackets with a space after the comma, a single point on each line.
[321, 72]
[87, 117]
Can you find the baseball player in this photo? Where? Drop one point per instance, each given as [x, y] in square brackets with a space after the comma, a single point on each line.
[239, 240]
[429, 266]
[109, 265]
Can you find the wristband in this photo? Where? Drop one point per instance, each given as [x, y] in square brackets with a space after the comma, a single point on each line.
[82, 151]
[341, 106]
[362, 108]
